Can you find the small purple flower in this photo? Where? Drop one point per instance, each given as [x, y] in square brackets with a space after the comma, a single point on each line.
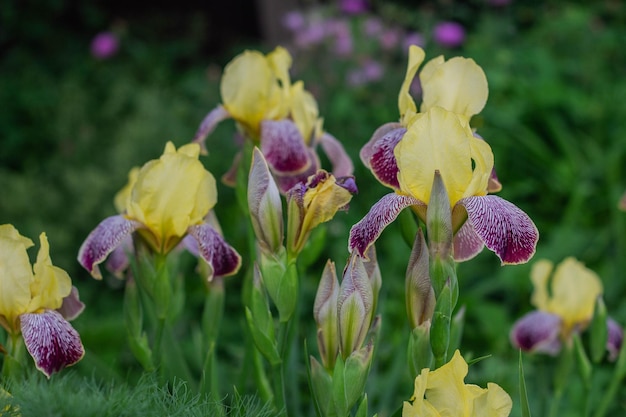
[389, 39]
[294, 21]
[312, 35]
[104, 45]
[373, 70]
[353, 6]
[372, 27]
[449, 34]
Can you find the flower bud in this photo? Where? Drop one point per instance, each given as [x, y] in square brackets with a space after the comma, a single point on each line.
[598, 331]
[325, 314]
[370, 262]
[420, 296]
[419, 350]
[265, 205]
[439, 219]
[355, 305]
[614, 340]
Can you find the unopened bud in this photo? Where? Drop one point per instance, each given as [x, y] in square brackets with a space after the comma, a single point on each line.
[420, 296]
[439, 219]
[325, 314]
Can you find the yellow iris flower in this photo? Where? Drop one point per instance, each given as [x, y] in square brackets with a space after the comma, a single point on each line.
[171, 194]
[26, 289]
[443, 393]
[571, 293]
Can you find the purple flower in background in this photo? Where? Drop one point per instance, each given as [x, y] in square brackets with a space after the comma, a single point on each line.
[372, 26]
[104, 45]
[343, 37]
[294, 21]
[412, 38]
[353, 6]
[389, 39]
[373, 70]
[449, 34]
[311, 35]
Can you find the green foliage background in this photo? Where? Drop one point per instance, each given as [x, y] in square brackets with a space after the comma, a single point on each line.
[71, 127]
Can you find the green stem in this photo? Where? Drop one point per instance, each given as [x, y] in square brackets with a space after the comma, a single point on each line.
[561, 378]
[615, 385]
[12, 366]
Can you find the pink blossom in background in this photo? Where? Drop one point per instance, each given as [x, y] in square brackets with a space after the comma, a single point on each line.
[389, 39]
[372, 27]
[294, 21]
[311, 35]
[353, 6]
[449, 34]
[343, 37]
[412, 38]
[373, 70]
[104, 45]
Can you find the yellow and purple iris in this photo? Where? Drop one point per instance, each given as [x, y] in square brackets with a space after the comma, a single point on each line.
[166, 203]
[280, 117]
[565, 299]
[439, 141]
[443, 392]
[405, 156]
[37, 302]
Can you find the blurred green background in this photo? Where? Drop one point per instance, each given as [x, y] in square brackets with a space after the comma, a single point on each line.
[72, 125]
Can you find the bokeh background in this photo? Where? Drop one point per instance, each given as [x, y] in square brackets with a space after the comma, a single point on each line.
[90, 89]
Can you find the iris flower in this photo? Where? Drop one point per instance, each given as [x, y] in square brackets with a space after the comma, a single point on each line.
[443, 392]
[440, 140]
[280, 117]
[565, 302]
[168, 202]
[37, 301]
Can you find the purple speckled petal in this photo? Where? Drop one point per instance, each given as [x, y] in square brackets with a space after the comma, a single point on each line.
[467, 243]
[118, 260]
[51, 341]
[504, 228]
[342, 164]
[283, 147]
[365, 232]
[367, 150]
[72, 306]
[614, 340]
[537, 331]
[287, 182]
[107, 236]
[383, 162]
[208, 125]
[221, 257]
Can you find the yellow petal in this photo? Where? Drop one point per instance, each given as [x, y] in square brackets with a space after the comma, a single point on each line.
[304, 112]
[438, 141]
[406, 105]
[446, 390]
[121, 198]
[539, 276]
[420, 407]
[15, 276]
[50, 284]
[492, 402]
[280, 62]
[458, 85]
[171, 194]
[574, 292]
[323, 201]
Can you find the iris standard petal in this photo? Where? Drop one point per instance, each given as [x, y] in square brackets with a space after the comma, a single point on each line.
[575, 290]
[207, 126]
[446, 388]
[221, 257]
[339, 159]
[368, 229]
[383, 160]
[107, 236]
[537, 331]
[492, 402]
[15, 274]
[51, 341]
[283, 147]
[406, 105]
[367, 150]
[458, 85]
[305, 113]
[50, 284]
[467, 243]
[438, 141]
[504, 228]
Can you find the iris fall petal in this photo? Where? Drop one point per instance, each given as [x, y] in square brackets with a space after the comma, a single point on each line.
[334, 150]
[283, 147]
[538, 331]
[51, 341]
[467, 243]
[383, 161]
[223, 259]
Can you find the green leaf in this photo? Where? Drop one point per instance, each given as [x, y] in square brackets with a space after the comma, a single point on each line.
[523, 395]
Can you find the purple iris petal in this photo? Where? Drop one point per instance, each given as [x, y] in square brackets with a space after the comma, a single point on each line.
[504, 228]
[223, 258]
[467, 243]
[615, 337]
[342, 164]
[208, 125]
[287, 182]
[537, 331]
[368, 149]
[283, 147]
[365, 232]
[51, 341]
[72, 306]
[118, 261]
[107, 236]
[383, 161]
